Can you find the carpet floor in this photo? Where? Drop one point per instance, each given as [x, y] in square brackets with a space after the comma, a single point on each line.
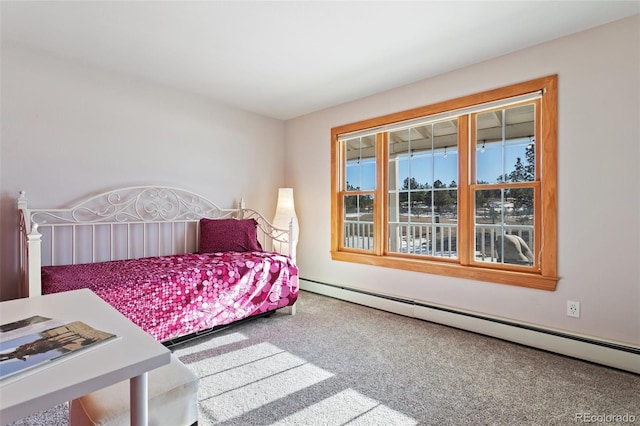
[338, 363]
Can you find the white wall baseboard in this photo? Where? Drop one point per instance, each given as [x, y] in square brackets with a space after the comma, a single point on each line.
[587, 348]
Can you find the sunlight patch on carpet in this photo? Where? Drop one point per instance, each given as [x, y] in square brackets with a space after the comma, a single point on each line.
[348, 407]
[234, 359]
[242, 380]
[236, 402]
[228, 380]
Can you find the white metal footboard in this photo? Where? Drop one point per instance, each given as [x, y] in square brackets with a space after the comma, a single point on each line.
[122, 224]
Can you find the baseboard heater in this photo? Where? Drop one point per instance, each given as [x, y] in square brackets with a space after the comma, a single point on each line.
[586, 348]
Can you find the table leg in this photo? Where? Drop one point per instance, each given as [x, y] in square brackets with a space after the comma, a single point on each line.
[138, 393]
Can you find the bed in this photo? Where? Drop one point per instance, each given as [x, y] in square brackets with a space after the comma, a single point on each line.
[170, 260]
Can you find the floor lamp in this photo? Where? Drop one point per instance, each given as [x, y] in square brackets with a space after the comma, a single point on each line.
[284, 218]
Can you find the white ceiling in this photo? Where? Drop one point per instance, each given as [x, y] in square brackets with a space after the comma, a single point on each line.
[283, 59]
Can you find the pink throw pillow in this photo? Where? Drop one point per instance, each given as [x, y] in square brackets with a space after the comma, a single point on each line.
[220, 235]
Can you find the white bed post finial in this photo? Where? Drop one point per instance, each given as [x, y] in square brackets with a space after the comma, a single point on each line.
[33, 250]
[241, 206]
[292, 240]
[22, 200]
[33, 244]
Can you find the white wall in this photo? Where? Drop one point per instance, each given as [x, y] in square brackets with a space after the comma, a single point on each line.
[69, 130]
[599, 179]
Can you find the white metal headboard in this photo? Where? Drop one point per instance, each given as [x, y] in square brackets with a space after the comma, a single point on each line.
[124, 223]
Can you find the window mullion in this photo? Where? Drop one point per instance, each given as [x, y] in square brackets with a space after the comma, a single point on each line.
[380, 215]
[465, 205]
[337, 160]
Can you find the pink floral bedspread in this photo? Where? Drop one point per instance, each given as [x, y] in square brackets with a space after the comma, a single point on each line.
[173, 296]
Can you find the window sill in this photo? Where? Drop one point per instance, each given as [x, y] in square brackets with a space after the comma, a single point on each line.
[522, 279]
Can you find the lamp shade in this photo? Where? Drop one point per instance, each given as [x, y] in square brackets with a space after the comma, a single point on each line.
[286, 215]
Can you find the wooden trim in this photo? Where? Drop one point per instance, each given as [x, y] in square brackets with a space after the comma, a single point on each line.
[499, 276]
[543, 274]
[382, 175]
[537, 196]
[465, 203]
[450, 105]
[549, 168]
[336, 165]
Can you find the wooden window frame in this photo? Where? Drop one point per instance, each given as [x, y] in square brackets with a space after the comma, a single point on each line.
[544, 273]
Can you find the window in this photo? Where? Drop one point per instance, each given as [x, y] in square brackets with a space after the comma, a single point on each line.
[464, 188]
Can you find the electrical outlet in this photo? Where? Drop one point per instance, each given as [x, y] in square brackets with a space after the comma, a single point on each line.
[573, 309]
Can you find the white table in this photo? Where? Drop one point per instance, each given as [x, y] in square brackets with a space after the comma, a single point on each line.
[129, 357]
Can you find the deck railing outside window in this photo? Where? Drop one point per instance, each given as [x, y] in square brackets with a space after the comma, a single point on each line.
[437, 239]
